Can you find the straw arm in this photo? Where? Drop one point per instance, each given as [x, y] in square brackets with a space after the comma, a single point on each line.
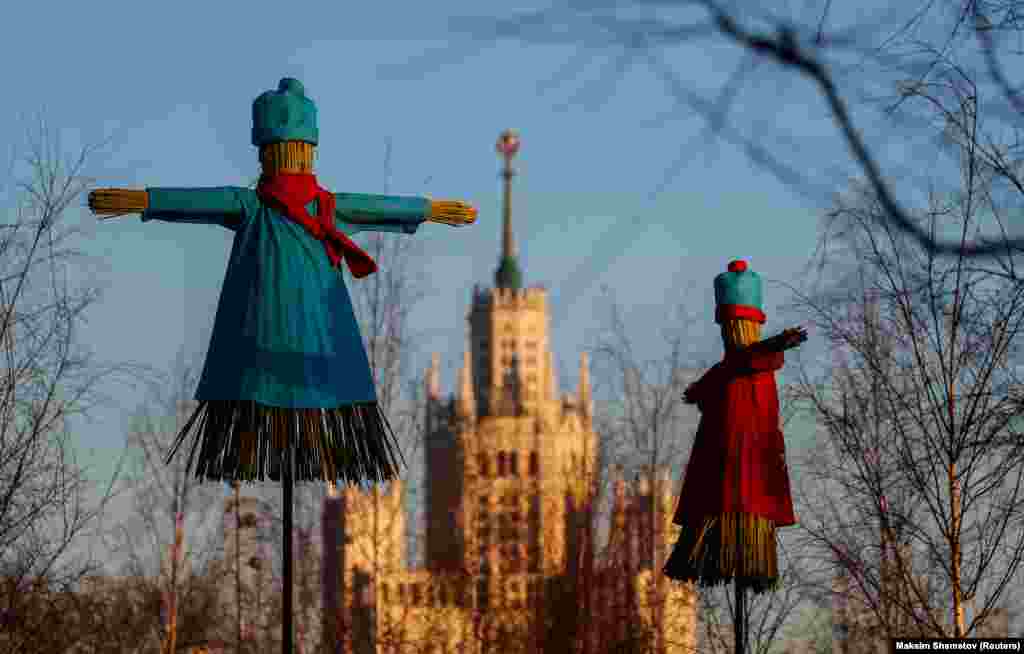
[787, 340]
[217, 205]
[395, 213]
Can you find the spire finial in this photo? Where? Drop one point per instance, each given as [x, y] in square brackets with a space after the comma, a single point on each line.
[508, 275]
[434, 377]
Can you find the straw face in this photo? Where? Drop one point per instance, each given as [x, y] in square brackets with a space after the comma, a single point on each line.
[738, 332]
[287, 157]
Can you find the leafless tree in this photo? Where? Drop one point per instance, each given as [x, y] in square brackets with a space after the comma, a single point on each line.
[872, 59]
[915, 490]
[172, 534]
[641, 417]
[48, 507]
[644, 427]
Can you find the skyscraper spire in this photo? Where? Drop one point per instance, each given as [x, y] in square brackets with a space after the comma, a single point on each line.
[508, 274]
[583, 390]
[466, 401]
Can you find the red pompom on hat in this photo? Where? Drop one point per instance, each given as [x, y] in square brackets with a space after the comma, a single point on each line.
[737, 266]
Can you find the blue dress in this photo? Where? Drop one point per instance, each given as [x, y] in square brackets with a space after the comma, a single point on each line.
[285, 334]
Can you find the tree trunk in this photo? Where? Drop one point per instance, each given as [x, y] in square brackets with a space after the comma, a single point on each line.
[172, 609]
[959, 622]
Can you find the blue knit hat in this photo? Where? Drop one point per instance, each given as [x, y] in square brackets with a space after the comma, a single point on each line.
[284, 115]
[738, 294]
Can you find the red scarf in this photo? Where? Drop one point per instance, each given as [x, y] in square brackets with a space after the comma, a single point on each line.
[289, 193]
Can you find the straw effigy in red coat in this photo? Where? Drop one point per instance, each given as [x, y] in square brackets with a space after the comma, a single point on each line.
[736, 488]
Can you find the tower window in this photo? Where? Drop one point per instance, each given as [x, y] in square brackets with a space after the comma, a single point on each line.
[514, 463]
[534, 464]
[501, 464]
[460, 595]
[481, 462]
[482, 595]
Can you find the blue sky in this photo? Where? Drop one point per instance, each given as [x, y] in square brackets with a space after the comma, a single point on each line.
[172, 84]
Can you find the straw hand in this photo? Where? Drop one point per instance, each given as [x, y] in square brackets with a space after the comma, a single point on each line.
[451, 212]
[794, 337]
[113, 202]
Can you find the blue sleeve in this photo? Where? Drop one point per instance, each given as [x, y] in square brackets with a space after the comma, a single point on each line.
[357, 212]
[224, 205]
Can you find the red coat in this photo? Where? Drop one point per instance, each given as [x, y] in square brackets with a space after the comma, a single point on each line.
[738, 462]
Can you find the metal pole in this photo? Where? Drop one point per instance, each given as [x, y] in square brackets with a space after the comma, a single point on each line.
[238, 563]
[740, 614]
[286, 618]
[740, 620]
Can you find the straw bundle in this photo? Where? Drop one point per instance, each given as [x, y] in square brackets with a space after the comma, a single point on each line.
[113, 202]
[244, 441]
[451, 212]
[709, 555]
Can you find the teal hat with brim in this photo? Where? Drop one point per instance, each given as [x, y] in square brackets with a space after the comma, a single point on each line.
[284, 115]
[738, 294]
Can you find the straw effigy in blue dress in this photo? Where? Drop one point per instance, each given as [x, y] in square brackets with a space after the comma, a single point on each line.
[286, 361]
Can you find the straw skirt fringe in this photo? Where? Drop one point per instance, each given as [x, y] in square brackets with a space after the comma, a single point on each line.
[244, 440]
[708, 555]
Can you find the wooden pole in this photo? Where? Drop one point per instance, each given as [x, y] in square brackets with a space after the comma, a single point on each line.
[172, 609]
[286, 618]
